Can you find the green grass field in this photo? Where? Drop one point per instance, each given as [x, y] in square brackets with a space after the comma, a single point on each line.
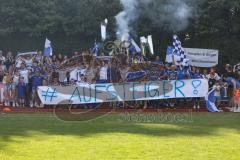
[43, 137]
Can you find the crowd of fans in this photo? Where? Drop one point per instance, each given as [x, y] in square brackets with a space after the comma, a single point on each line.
[21, 76]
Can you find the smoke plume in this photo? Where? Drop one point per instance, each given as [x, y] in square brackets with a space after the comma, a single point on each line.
[172, 15]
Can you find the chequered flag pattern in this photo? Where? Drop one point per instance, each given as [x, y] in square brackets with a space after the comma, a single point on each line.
[177, 48]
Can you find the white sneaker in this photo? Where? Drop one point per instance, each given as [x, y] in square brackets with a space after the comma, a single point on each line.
[235, 109]
[238, 110]
[194, 107]
[198, 107]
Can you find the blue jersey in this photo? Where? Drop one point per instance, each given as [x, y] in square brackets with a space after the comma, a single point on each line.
[172, 75]
[191, 74]
[182, 74]
[197, 76]
[36, 81]
[36, 69]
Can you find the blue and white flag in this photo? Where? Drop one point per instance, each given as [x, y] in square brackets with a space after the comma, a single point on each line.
[178, 51]
[134, 46]
[210, 102]
[237, 67]
[48, 50]
[169, 54]
[96, 48]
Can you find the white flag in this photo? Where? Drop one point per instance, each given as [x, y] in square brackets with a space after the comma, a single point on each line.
[150, 43]
[48, 50]
[104, 29]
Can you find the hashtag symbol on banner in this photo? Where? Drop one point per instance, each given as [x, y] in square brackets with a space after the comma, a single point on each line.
[49, 94]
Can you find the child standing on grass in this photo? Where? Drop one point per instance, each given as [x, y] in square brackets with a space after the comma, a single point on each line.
[7, 80]
[16, 77]
[217, 87]
[22, 89]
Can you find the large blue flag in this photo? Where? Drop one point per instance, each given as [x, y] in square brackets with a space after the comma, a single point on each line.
[210, 102]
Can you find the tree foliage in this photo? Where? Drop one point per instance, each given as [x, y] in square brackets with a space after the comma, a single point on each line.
[74, 24]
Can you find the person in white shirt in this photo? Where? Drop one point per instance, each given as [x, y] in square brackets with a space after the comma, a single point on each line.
[217, 87]
[73, 75]
[29, 61]
[24, 72]
[81, 73]
[15, 82]
[214, 75]
[103, 73]
[19, 62]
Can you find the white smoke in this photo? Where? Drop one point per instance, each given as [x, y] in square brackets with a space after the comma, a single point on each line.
[171, 14]
[128, 15]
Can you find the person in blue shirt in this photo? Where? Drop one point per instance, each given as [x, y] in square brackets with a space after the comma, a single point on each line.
[197, 74]
[158, 60]
[234, 82]
[21, 90]
[182, 73]
[171, 73]
[37, 80]
[234, 100]
[192, 71]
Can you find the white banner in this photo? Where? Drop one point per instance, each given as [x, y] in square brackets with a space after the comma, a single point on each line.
[134, 91]
[202, 57]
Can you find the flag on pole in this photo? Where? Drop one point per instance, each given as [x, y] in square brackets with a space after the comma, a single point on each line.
[150, 43]
[134, 47]
[96, 48]
[143, 41]
[48, 50]
[210, 102]
[178, 51]
[104, 29]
